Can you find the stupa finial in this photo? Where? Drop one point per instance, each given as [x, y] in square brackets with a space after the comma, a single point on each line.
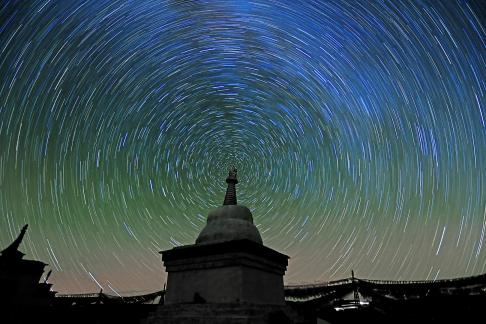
[231, 180]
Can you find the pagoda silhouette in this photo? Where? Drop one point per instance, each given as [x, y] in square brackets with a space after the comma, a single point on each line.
[19, 278]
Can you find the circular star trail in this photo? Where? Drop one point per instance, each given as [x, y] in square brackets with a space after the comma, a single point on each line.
[358, 130]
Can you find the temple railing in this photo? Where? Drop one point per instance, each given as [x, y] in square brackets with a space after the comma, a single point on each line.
[318, 290]
[328, 290]
[93, 297]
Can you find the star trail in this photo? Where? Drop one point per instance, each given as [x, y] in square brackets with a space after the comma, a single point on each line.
[358, 129]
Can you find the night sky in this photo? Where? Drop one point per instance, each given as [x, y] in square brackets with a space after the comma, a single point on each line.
[358, 129]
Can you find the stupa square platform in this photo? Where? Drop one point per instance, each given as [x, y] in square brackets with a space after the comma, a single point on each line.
[239, 271]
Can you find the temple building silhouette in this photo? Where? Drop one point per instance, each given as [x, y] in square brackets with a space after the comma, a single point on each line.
[19, 278]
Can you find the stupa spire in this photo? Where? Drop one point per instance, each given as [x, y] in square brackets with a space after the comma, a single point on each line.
[231, 180]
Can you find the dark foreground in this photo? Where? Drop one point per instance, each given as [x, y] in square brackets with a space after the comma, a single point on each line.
[438, 309]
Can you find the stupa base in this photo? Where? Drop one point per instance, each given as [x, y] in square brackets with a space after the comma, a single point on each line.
[223, 314]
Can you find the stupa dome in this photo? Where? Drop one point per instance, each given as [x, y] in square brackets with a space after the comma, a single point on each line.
[228, 223]
[231, 221]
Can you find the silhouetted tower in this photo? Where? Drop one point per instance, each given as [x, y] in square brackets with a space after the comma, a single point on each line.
[231, 180]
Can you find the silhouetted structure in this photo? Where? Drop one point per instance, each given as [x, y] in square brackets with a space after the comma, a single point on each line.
[20, 279]
[229, 275]
[380, 301]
